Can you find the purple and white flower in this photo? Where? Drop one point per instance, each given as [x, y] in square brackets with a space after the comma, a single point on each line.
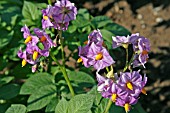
[27, 58]
[104, 85]
[64, 11]
[132, 82]
[28, 37]
[47, 17]
[95, 37]
[100, 57]
[44, 38]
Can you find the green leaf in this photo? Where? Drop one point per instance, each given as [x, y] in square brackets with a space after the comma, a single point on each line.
[101, 107]
[84, 12]
[97, 95]
[16, 108]
[101, 21]
[80, 103]
[89, 111]
[72, 28]
[35, 82]
[9, 91]
[14, 2]
[80, 22]
[41, 97]
[81, 78]
[5, 80]
[117, 29]
[62, 106]
[107, 35]
[5, 37]
[30, 11]
[52, 105]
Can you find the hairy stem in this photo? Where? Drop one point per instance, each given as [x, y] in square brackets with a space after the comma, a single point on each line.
[63, 69]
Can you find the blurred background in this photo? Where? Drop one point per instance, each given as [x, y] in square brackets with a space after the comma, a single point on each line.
[150, 18]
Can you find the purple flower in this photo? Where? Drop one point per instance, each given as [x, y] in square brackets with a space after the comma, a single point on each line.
[141, 47]
[132, 82]
[95, 37]
[47, 17]
[26, 57]
[124, 41]
[140, 59]
[117, 92]
[126, 102]
[28, 37]
[104, 85]
[36, 52]
[83, 51]
[65, 11]
[100, 57]
[44, 38]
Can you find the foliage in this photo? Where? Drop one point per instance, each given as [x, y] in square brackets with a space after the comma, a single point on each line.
[22, 92]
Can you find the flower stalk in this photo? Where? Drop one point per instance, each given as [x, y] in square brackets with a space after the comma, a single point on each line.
[63, 69]
[108, 106]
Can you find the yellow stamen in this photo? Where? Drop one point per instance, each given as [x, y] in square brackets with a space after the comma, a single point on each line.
[114, 96]
[35, 55]
[28, 39]
[144, 91]
[43, 38]
[45, 17]
[99, 56]
[24, 62]
[79, 60]
[144, 52]
[129, 86]
[125, 45]
[127, 107]
[86, 42]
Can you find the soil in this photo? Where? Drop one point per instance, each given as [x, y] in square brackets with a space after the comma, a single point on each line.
[150, 18]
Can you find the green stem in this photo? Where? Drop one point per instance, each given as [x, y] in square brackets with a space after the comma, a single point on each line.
[108, 106]
[62, 47]
[68, 81]
[63, 69]
[129, 63]
[56, 61]
[49, 2]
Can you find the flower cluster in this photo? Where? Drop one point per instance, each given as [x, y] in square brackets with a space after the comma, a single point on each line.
[94, 54]
[141, 47]
[59, 15]
[123, 88]
[32, 52]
